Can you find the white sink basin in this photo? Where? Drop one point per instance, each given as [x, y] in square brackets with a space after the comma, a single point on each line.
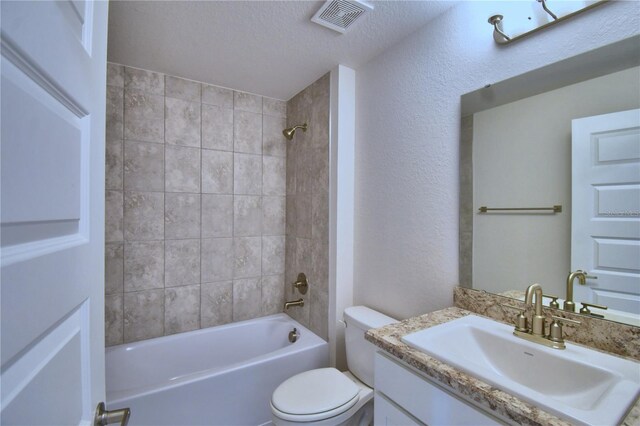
[577, 384]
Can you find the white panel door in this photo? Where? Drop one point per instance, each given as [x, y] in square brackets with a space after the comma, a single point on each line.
[53, 69]
[605, 234]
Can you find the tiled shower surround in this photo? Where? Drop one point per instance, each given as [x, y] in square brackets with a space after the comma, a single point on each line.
[195, 205]
[308, 204]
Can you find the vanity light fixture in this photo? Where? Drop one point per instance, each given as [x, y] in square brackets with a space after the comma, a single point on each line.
[500, 37]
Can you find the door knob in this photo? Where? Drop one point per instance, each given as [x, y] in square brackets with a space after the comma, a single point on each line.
[104, 417]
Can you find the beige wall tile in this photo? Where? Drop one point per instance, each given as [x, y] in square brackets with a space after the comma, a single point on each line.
[143, 216]
[143, 80]
[143, 265]
[303, 255]
[272, 294]
[216, 305]
[217, 259]
[217, 128]
[304, 215]
[113, 319]
[181, 216]
[217, 172]
[182, 122]
[290, 265]
[303, 169]
[115, 75]
[247, 216]
[273, 215]
[217, 215]
[318, 311]
[273, 176]
[319, 169]
[114, 268]
[247, 132]
[214, 95]
[319, 271]
[114, 223]
[247, 257]
[181, 309]
[274, 107]
[247, 298]
[247, 102]
[247, 174]
[143, 166]
[115, 113]
[143, 116]
[181, 262]
[320, 216]
[182, 169]
[291, 216]
[273, 141]
[273, 249]
[180, 88]
[114, 170]
[143, 315]
[292, 187]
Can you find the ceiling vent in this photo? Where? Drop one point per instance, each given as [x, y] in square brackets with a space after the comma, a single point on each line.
[339, 15]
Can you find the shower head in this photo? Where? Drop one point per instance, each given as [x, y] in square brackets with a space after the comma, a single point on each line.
[288, 133]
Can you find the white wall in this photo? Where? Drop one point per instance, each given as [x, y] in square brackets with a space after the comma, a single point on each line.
[522, 158]
[407, 143]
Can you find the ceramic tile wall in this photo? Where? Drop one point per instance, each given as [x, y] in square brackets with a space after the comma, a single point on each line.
[307, 230]
[195, 205]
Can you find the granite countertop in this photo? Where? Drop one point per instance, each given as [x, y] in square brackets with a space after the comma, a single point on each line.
[482, 394]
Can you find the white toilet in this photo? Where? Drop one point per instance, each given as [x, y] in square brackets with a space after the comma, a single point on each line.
[326, 396]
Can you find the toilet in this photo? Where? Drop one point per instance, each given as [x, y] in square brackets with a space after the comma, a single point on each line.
[326, 396]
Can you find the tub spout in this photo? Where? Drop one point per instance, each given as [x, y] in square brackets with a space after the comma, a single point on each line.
[299, 302]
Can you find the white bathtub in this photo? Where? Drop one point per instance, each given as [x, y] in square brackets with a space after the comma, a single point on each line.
[216, 376]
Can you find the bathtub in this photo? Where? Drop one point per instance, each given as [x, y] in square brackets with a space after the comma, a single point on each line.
[223, 375]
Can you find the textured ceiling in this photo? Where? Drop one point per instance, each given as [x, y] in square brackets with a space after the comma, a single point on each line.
[265, 47]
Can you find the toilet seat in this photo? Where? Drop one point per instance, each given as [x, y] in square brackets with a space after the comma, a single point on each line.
[314, 395]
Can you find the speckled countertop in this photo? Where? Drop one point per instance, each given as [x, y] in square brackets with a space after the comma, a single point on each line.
[481, 393]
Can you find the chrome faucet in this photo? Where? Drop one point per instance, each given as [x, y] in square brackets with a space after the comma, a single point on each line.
[299, 302]
[582, 279]
[537, 320]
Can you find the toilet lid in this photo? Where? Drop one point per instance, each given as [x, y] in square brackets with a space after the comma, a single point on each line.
[315, 391]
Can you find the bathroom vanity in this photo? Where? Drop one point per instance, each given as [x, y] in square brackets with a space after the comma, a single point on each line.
[404, 396]
[414, 388]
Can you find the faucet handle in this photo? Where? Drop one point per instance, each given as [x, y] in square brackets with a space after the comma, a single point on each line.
[521, 320]
[567, 320]
[301, 283]
[554, 301]
[555, 330]
[585, 309]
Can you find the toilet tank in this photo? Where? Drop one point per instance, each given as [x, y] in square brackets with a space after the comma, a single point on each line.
[360, 353]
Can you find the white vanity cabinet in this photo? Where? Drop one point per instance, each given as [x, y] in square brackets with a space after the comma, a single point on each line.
[405, 397]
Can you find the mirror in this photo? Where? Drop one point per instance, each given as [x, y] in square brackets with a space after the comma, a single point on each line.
[516, 152]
